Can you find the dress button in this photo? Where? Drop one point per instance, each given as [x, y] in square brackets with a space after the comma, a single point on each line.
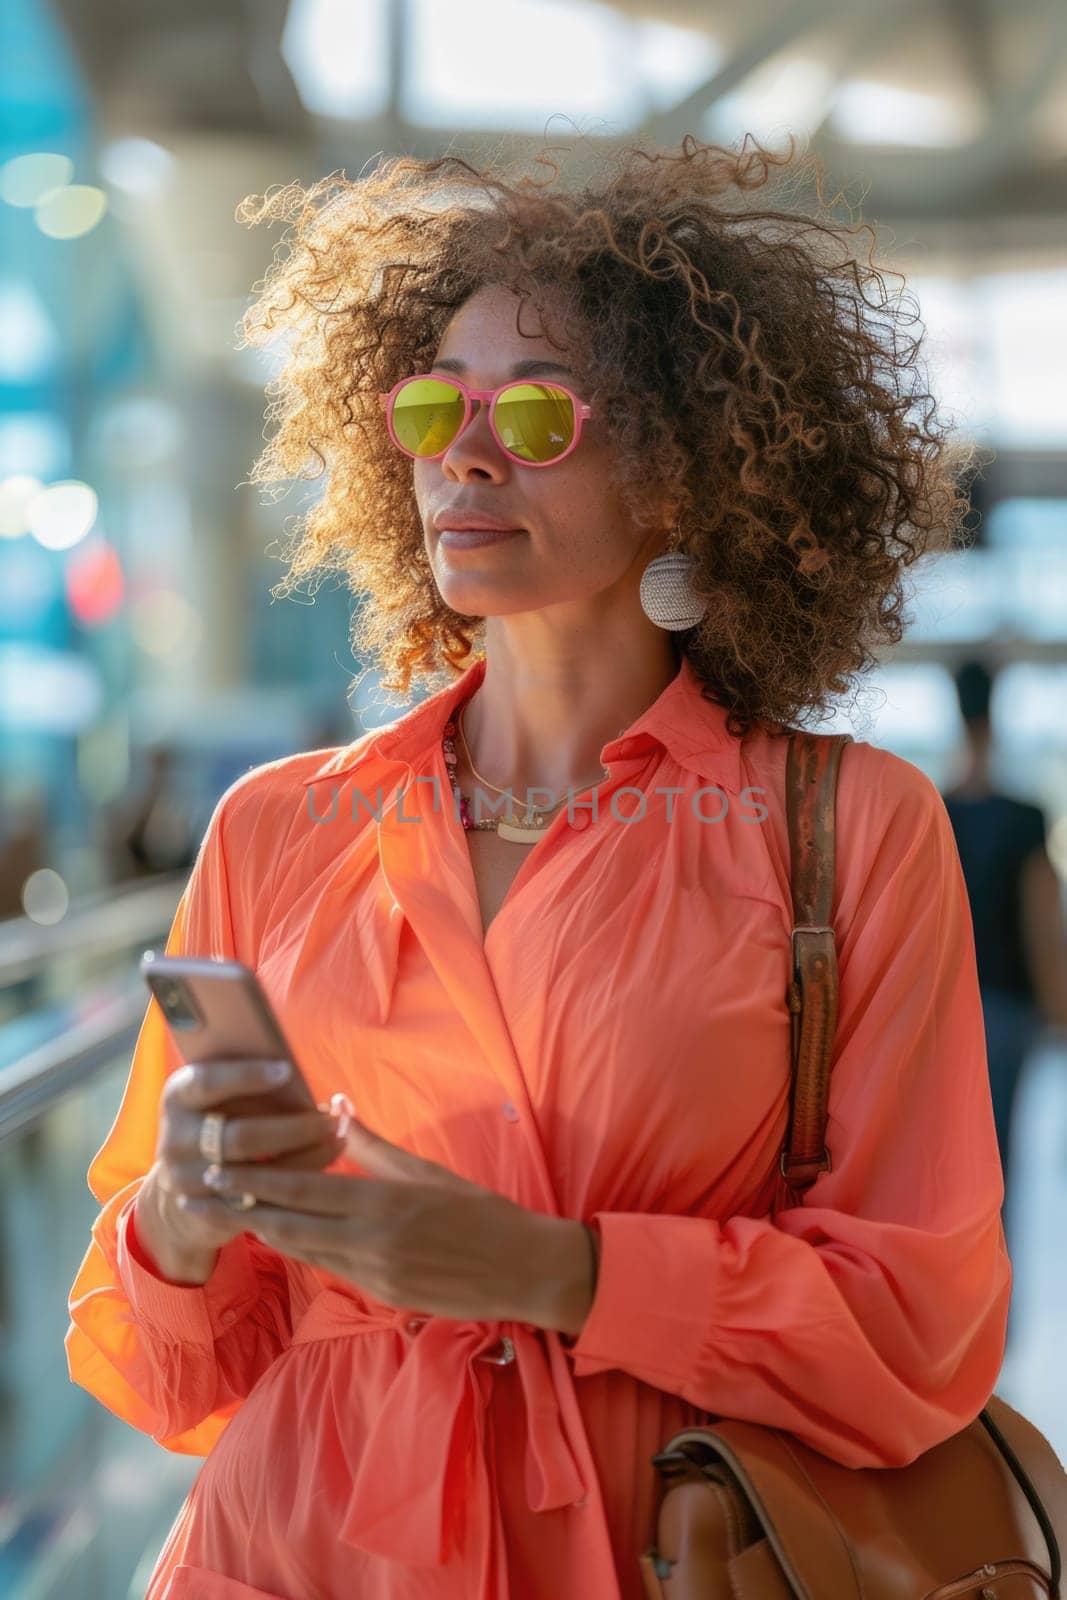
[580, 819]
[228, 1317]
[509, 1111]
[415, 1323]
[579, 1505]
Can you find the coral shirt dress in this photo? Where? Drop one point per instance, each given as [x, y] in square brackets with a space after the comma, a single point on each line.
[616, 1049]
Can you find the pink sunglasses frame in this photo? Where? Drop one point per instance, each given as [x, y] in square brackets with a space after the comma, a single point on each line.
[582, 413]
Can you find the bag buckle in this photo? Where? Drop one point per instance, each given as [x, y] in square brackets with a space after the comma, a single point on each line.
[825, 1157]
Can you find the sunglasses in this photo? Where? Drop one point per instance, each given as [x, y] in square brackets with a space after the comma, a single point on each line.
[536, 424]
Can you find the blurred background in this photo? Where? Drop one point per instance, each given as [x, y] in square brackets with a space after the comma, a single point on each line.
[144, 664]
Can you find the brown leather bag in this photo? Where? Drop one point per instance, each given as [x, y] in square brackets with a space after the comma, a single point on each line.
[748, 1512]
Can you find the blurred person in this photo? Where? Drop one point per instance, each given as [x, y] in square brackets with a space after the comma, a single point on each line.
[23, 849]
[150, 832]
[1017, 909]
[554, 1014]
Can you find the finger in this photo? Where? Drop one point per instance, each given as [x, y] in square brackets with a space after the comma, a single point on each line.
[342, 1111]
[286, 1230]
[212, 1217]
[316, 1156]
[320, 1193]
[187, 1178]
[251, 1138]
[215, 1223]
[199, 1085]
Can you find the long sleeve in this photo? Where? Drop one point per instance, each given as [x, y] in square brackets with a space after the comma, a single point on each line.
[173, 1360]
[870, 1320]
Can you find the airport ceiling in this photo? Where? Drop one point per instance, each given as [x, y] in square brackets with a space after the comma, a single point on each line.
[216, 66]
[209, 80]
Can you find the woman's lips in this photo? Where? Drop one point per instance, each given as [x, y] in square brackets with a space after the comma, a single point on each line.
[472, 538]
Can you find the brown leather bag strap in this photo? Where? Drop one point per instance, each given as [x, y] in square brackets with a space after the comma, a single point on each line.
[811, 786]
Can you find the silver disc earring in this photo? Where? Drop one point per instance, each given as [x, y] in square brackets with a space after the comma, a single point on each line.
[667, 596]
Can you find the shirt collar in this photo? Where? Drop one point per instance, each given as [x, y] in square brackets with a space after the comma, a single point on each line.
[690, 728]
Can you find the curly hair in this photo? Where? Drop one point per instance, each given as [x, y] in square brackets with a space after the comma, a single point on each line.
[740, 371]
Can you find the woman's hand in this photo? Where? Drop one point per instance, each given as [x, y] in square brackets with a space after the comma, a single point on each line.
[416, 1235]
[183, 1245]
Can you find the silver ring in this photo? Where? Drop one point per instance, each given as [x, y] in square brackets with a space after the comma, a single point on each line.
[239, 1202]
[211, 1131]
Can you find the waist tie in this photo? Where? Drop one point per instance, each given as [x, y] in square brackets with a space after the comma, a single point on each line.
[423, 1480]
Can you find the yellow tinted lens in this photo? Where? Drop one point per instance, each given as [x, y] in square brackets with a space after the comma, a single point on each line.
[535, 420]
[427, 414]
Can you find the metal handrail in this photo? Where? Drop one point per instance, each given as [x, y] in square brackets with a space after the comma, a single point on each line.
[30, 1087]
[99, 924]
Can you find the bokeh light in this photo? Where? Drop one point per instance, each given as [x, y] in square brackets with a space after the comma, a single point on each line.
[62, 514]
[25, 179]
[45, 897]
[47, 690]
[16, 492]
[136, 166]
[164, 624]
[95, 585]
[70, 212]
[35, 443]
[31, 348]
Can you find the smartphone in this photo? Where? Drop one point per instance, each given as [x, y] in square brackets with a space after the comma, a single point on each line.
[218, 1011]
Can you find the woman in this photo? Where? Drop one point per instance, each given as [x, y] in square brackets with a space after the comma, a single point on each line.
[410, 1378]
